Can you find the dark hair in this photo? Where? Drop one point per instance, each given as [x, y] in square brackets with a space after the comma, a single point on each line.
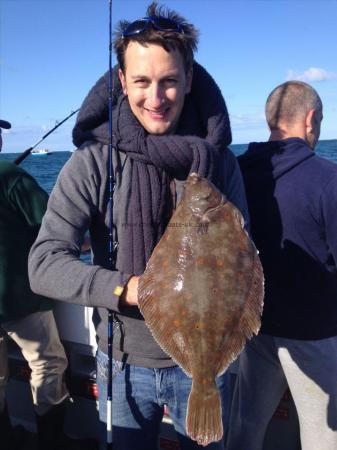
[290, 102]
[185, 43]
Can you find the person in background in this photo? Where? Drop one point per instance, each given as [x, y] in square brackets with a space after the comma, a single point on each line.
[169, 118]
[291, 195]
[25, 317]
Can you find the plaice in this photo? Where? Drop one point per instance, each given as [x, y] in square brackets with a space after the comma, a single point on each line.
[201, 296]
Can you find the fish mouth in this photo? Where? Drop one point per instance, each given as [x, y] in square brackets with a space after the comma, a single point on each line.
[223, 201]
[205, 220]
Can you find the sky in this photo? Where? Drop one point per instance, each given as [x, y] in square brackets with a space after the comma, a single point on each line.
[53, 51]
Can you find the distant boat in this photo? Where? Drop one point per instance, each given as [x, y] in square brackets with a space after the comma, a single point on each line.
[41, 151]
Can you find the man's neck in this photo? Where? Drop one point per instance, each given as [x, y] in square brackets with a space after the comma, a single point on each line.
[281, 134]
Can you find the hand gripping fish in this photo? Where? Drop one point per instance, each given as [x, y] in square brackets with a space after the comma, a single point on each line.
[202, 295]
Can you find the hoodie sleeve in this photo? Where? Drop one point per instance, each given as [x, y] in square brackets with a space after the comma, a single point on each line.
[329, 215]
[55, 267]
[235, 191]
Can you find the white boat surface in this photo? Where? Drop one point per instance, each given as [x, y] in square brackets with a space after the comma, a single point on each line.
[41, 151]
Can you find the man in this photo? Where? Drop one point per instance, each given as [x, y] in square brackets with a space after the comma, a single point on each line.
[169, 118]
[291, 196]
[25, 317]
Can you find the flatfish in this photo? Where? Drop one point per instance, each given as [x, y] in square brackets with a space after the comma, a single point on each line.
[201, 296]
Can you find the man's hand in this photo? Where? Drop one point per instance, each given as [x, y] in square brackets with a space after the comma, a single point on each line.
[130, 293]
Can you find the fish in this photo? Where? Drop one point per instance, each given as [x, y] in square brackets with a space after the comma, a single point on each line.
[201, 296]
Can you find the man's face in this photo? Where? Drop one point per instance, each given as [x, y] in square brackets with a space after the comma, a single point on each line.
[155, 82]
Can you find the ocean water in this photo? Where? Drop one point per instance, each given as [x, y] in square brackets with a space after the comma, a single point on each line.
[46, 168]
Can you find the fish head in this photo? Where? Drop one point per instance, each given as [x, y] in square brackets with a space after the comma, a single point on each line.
[201, 195]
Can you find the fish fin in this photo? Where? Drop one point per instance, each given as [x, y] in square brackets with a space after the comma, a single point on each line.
[204, 417]
[173, 346]
[250, 319]
[164, 338]
[179, 356]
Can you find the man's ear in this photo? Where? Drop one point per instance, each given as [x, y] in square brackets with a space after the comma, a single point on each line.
[189, 78]
[310, 119]
[122, 80]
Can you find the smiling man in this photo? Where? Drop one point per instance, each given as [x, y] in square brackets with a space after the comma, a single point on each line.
[169, 119]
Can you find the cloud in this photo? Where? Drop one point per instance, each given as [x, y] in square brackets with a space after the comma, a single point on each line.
[247, 121]
[311, 74]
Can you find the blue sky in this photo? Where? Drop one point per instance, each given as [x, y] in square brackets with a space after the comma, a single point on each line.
[53, 51]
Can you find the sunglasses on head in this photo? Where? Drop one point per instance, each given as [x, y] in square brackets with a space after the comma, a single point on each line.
[159, 23]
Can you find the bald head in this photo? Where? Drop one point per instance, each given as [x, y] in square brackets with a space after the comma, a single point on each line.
[292, 109]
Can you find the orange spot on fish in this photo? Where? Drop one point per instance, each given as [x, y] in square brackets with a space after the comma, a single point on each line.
[200, 261]
[176, 323]
[242, 245]
[220, 262]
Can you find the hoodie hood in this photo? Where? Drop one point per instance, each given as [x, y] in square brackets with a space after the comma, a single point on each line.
[204, 110]
[92, 123]
[275, 158]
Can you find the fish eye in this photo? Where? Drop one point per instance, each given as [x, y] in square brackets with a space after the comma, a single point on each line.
[207, 194]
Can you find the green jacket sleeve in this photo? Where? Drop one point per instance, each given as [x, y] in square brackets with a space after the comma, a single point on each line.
[28, 199]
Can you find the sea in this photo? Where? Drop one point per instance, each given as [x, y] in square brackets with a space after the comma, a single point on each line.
[45, 168]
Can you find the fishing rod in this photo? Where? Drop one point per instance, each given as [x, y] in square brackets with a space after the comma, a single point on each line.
[27, 152]
[111, 243]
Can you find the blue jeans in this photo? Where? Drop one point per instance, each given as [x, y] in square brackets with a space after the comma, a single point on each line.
[139, 396]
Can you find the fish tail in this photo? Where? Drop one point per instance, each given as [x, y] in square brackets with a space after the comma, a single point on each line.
[204, 418]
